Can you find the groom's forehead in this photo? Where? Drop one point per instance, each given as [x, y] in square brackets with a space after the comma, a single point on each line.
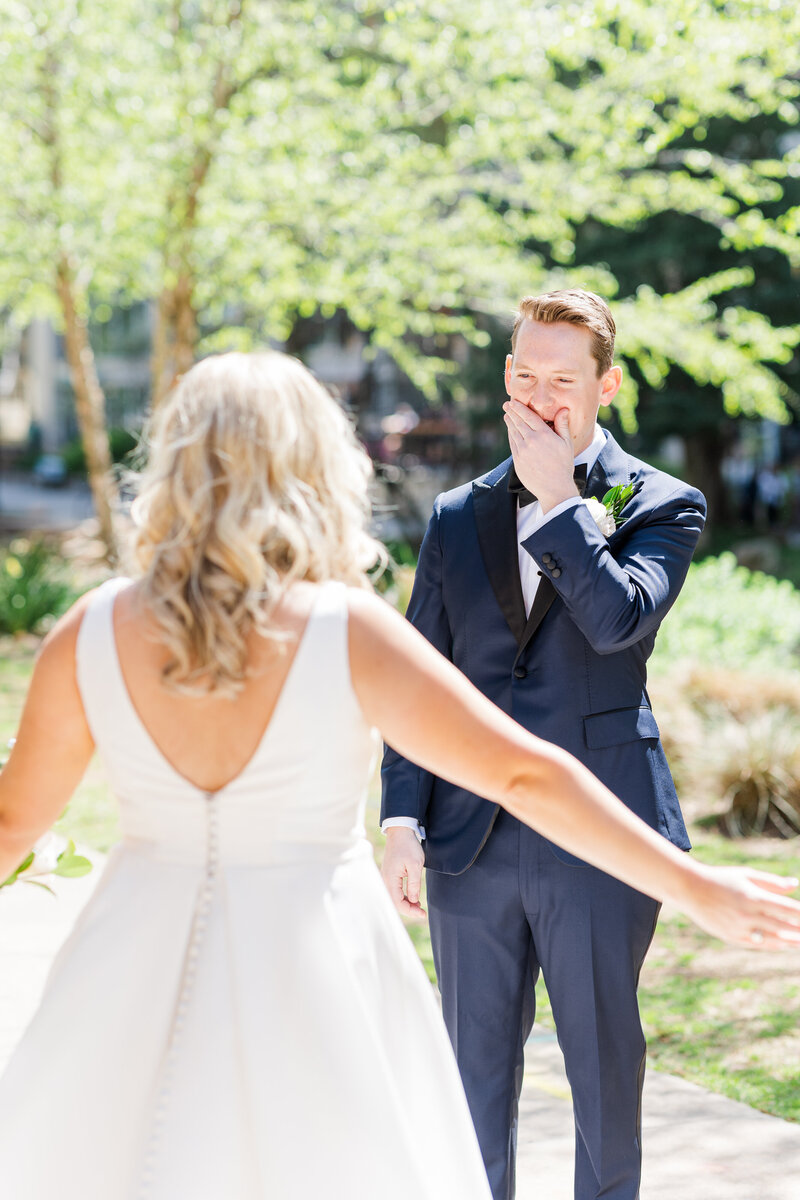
[565, 346]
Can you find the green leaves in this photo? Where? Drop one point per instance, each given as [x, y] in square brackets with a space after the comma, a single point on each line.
[415, 165]
[728, 616]
[72, 865]
[34, 590]
[616, 498]
[14, 876]
[68, 864]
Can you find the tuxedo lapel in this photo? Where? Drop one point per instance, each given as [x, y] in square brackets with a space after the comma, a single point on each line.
[545, 595]
[610, 468]
[496, 521]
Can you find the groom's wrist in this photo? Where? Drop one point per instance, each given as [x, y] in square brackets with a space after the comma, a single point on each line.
[559, 496]
[411, 824]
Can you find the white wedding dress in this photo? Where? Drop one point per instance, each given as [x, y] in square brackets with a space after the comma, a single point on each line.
[239, 1013]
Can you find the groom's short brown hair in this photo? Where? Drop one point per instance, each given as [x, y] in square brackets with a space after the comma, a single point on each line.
[574, 307]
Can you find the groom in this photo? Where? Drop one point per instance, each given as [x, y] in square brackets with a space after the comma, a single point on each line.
[552, 610]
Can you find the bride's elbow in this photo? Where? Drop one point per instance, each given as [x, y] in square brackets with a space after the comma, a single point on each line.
[536, 786]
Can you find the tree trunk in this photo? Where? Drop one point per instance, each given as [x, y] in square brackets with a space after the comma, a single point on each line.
[185, 324]
[89, 407]
[704, 453]
[161, 372]
[174, 337]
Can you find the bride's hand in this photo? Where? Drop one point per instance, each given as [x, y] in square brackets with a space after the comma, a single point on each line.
[744, 906]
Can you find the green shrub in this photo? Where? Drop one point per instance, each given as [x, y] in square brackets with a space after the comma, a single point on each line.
[121, 443]
[33, 589]
[728, 616]
[397, 579]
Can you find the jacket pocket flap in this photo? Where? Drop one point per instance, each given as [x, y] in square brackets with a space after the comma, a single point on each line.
[621, 725]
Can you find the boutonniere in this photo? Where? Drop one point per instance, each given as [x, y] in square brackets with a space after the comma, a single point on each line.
[607, 512]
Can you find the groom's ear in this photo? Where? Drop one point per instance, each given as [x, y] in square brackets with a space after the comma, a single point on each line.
[610, 384]
[509, 361]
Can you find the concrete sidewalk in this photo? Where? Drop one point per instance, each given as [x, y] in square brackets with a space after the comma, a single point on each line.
[698, 1146]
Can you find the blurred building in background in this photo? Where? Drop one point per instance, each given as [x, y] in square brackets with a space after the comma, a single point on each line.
[418, 449]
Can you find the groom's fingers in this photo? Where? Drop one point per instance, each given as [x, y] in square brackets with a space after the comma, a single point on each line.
[403, 861]
[561, 425]
[413, 911]
[413, 879]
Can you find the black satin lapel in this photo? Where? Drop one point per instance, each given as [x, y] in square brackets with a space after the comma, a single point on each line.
[610, 468]
[545, 595]
[496, 522]
[596, 483]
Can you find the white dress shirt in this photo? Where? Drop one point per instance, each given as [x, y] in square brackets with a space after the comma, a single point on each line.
[529, 519]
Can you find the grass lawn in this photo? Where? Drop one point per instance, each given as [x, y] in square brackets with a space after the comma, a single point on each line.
[725, 1018]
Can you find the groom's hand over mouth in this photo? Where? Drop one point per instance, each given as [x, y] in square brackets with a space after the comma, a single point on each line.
[543, 455]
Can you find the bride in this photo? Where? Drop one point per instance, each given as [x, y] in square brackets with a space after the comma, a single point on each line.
[238, 1013]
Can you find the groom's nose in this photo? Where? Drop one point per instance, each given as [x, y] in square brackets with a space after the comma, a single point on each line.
[544, 405]
[540, 398]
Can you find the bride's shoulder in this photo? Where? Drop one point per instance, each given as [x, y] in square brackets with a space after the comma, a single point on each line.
[61, 640]
[366, 605]
[373, 623]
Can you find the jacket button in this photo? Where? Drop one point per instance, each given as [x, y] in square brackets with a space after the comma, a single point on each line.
[547, 558]
[520, 673]
[556, 572]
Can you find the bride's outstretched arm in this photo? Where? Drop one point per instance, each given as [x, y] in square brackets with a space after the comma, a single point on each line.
[52, 749]
[428, 711]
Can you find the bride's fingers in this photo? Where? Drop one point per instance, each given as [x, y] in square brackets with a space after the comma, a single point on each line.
[773, 883]
[782, 911]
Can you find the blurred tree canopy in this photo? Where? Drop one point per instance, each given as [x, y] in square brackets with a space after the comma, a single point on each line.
[419, 165]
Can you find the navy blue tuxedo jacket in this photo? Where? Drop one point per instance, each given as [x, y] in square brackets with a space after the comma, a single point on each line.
[574, 672]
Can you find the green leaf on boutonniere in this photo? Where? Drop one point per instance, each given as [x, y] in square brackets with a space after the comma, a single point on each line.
[616, 498]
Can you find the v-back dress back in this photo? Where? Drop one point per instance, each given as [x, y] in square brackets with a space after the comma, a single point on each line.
[238, 1014]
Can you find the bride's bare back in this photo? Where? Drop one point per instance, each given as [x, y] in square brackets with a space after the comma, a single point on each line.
[207, 739]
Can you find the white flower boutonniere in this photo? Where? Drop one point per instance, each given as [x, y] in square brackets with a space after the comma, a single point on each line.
[607, 512]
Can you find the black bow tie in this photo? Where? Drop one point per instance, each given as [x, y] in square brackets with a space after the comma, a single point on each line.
[525, 497]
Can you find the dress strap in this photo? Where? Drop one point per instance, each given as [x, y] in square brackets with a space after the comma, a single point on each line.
[95, 657]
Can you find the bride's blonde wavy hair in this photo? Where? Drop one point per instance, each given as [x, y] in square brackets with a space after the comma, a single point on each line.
[255, 480]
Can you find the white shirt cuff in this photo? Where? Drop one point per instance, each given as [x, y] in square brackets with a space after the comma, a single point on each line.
[406, 823]
[559, 508]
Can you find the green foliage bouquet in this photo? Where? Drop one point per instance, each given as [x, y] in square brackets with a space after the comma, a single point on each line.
[50, 856]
